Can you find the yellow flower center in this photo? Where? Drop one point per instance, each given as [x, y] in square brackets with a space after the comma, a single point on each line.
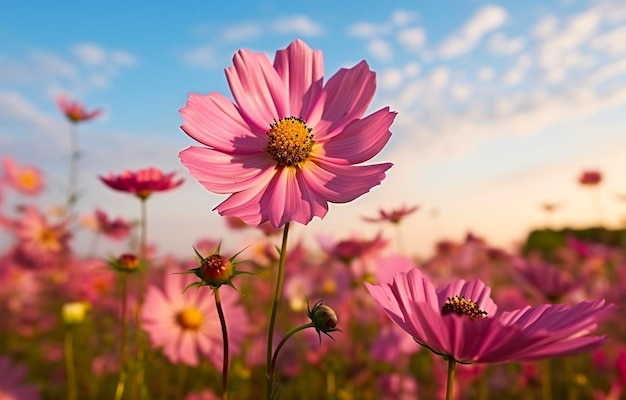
[189, 318]
[289, 141]
[48, 239]
[462, 306]
[28, 179]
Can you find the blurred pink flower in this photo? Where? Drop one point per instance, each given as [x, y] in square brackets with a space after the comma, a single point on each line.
[289, 145]
[142, 183]
[460, 321]
[75, 111]
[590, 177]
[397, 387]
[548, 281]
[186, 324]
[25, 179]
[203, 395]
[394, 216]
[38, 238]
[11, 382]
[114, 229]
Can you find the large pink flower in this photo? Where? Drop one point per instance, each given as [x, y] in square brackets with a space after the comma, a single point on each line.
[461, 321]
[289, 144]
[142, 183]
[186, 324]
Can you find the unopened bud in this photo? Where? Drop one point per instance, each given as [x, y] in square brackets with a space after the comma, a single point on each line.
[126, 263]
[215, 270]
[324, 318]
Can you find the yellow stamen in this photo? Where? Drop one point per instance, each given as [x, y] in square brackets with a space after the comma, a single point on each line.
[189, 318]
[462, 306]
[289, 141]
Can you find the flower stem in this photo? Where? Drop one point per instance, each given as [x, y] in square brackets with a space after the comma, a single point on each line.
[284, 340]
[220, 312]
[72, 196]
[139, 342]
[546, 378]
[69, 364]
[277, 295]
[450, 382]
[122, 356]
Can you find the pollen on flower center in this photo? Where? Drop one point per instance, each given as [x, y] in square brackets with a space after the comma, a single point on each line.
[462, 306]
[189, 318]
[289, 141]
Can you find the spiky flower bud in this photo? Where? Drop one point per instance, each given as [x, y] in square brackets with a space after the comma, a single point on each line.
[126, 263]
[323, 318]
[215, 270]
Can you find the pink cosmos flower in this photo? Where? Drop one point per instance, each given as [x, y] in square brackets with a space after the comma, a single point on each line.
[142, 183]
[186, 324]
[38, 238]
[25, 179]
[461, 321]
[289, 144]
[394, 216]
[75, 111]
[590, 177]
[548, 281]
[11, 382]
[115, 229]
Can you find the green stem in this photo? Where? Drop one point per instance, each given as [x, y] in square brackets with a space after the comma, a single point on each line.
[69, 364]
[450, 382]
[122, 356]
[220, 312]
[546, 378]
[72, 196]
[284, 340]
[139, 342]
[277, 295]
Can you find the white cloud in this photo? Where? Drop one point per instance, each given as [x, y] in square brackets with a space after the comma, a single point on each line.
[380, 49]
[460, 92]
[609, 71]
[485, 74]
[243, 31]
[89, 54]
[412, 38]
[298, 24]
[412, 69]
[203, 57]
[546, 27]
[515, 75]
[500, 44]
[390, 78]
[612, 42]
[402, 17]
[485, 20]
[439, 77]
[367, 29]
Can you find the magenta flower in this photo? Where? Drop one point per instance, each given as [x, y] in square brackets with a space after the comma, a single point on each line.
[11, 382]
[186, 324]
[549, 281]
[394, 216]
[114, 229]
[461, 322]
[142, 183]
[289, 144]
[75, 111]
[590, 177]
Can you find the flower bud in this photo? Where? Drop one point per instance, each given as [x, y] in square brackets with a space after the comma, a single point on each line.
[126, 263]
[323, 318]
[215, 270]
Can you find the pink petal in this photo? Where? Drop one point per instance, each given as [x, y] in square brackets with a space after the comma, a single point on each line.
[227, 173]
[474, 290]
[215, 121]
[187, 348]
[257, 89]
[361, 139]
[342, 183]
[347, 95]
[302, 72]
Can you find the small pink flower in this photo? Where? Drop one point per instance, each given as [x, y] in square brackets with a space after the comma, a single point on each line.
[394, 216]
[11, 382]
[460, 321]
[549, 281]
[186, 325]
[289, 144]
[590, 178]
[38, 238]
[115, 229]
[75, 111]
[25, 179]
[142, 183]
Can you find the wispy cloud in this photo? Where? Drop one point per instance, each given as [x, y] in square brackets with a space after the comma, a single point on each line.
[485, 20]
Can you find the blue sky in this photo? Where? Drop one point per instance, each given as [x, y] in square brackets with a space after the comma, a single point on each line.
[500, 104]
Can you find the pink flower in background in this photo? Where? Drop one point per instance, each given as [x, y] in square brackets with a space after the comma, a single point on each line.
[38, 238]
[289, 144]
[11, 382]
[590, 178]
[75, 111]
[460, 321]
[25, 179]
[203, 395]
[115, 229]
[550, 282]
[142, 183]
[186, 324]
[394, 216]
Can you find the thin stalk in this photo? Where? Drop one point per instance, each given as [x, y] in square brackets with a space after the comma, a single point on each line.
[220, 312]
[69, 363]
[277, 295]
[450, 382]
[72, 184]
[399, 239]
[284, 340]
[546, 381]
[122, 355]
[141, 278]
